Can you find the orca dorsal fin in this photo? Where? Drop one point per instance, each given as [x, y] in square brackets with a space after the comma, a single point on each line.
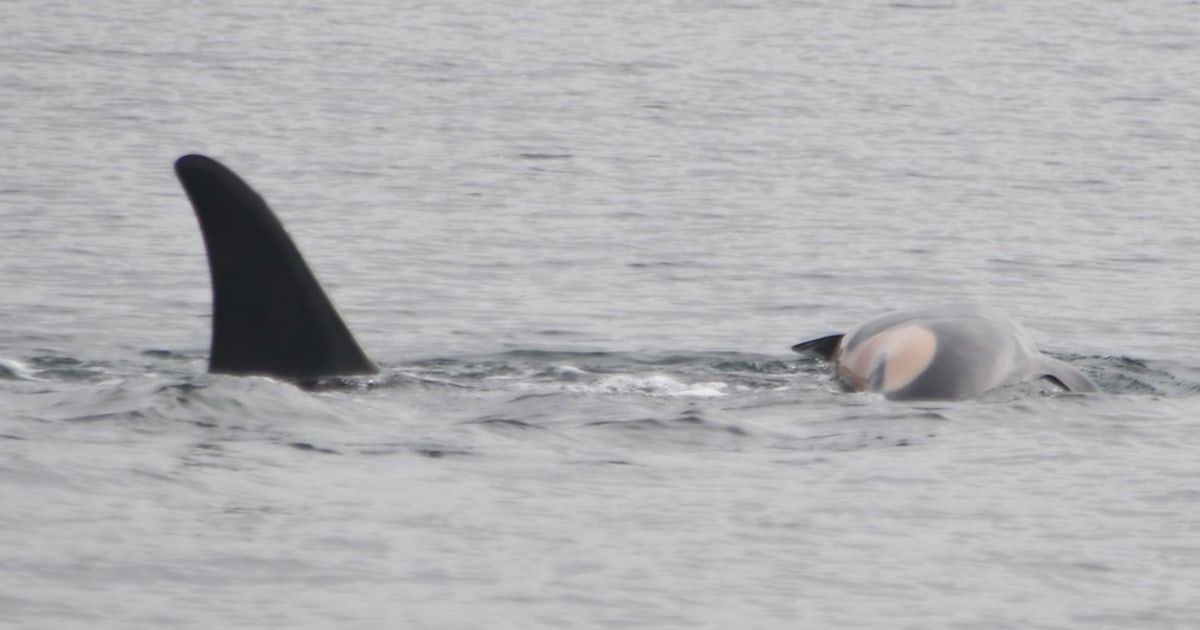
[823, 347]
[270, 316]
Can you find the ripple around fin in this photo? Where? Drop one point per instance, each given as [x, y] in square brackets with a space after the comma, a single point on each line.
[654, 385]
[52, 366]
[503, 422]
[675, 375]
[712, 375]
[172, 355]
[546, 156]
[305, 446]
[440, 452]
[1131, 375]
[686, 422]
[14, 370]
[432, 449]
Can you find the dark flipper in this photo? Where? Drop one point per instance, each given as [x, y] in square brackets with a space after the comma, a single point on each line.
[823, 347]
[270, 315]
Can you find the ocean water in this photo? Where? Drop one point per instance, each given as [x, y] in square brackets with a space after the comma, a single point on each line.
[580, 238]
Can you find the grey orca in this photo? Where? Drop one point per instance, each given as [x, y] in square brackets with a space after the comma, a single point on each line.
[948, 352]
[270, 316]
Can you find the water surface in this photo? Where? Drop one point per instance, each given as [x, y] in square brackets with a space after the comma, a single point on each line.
[580, 238]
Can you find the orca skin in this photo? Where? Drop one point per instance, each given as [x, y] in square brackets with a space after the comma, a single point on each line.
[270, 315]
[949, 352]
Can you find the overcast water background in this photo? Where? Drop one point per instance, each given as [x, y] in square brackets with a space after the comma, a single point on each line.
[581, 236]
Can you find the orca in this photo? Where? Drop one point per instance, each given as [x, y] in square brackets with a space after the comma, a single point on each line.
[949, 352]
[270, 316]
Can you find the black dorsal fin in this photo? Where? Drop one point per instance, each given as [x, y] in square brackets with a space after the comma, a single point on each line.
[270, 315]
[823, 347]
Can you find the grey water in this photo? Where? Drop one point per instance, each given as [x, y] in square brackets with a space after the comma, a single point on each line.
[580, 238]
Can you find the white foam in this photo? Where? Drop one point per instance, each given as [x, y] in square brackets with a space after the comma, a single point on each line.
[653, 385]
[17, 369]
